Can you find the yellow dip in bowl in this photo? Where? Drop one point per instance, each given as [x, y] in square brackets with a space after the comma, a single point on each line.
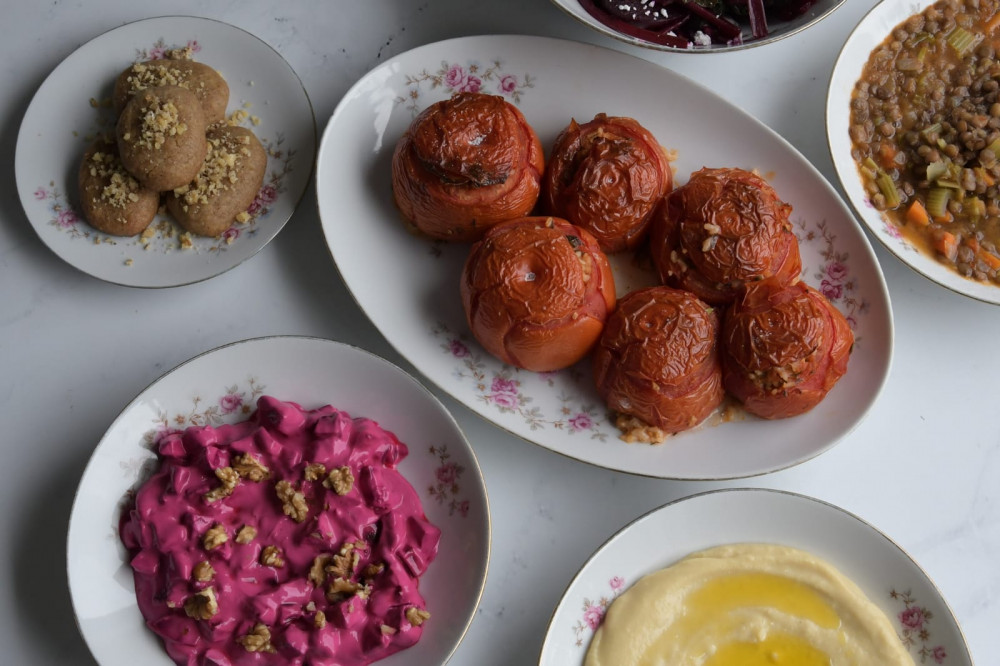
[746, 605]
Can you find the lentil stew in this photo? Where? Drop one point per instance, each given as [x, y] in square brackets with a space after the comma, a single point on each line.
[925, 133]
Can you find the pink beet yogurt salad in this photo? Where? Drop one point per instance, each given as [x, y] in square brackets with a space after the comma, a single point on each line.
[290, 538]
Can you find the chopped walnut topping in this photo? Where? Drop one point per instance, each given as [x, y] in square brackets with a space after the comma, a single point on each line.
[712, 229]
[246, 534]
[271, 556]
[373, 570]
[320, 619]
[120, 187]
[160, 120]
[150, 75]
[340, 481]
[293, 503]
[203, 571]
[635, 430]
[340, 588]
[417, 616]
[250, 468]
[317, 572]
[185, 53]
[237, 117]
[315, 471]
[215, 537]
[344, 562]
[218, 172]
[311, 607]
[709, 243]
[243, 217]
[202, 605]
[387, 630]
[229, 479]
[258, 640]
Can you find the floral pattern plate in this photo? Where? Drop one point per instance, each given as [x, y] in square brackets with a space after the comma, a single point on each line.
[871, 31]
[408, 286]
[222, 386]
[72, 107]
[887, 575]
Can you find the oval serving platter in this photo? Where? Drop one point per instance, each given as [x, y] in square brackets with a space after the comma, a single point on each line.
[408, 286]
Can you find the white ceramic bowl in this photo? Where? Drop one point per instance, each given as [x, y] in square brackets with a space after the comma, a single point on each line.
[212, 389]
[871, 31]
[776, 30]
[887, 575]
[409, 286]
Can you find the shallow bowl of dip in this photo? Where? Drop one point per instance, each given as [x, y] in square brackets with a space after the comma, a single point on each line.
[874, 566]
[899, 237]
[222, 387]
[638, 24]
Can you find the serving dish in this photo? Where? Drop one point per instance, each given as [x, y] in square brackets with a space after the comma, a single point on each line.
[777, 30]
[67, 112]
[221, 386]
[886, 574]
[871, 31]
[409, 287]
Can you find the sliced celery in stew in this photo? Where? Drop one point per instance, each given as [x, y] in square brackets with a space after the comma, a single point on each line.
[925, 132]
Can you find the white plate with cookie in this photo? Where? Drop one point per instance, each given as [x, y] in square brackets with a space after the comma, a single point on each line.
[224, 386]
[73, 107]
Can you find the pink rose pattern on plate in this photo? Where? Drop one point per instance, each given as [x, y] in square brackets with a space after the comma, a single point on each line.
[446, 487]
[833, 277]
[167, 236]
[914, 623]
[234, 403]
[503, 389]
[594, 610]
[470, 77]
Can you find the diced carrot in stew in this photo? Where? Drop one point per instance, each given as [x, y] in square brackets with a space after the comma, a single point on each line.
[990, 259]
[887, 155]
[917, 214]
[946, 243]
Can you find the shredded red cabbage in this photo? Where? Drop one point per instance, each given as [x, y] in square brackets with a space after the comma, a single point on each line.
[692, 23]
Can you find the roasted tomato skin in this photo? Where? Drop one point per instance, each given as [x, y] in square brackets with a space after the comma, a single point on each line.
[607, 176]
[720, 230]
[537, 292]
[465, 164]
[657, 359]
[783, 348]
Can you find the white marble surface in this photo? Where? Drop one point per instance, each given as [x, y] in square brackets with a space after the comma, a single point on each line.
[73, 350]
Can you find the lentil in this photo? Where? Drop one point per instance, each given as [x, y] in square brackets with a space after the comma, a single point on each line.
[924, 126]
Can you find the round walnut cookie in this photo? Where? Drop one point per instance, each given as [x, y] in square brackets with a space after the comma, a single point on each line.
[206, 83]
[161, 137]
[226, 185]
[112, 200]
